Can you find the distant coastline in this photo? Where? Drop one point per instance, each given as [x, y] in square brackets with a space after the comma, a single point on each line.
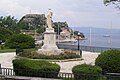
[111, 39]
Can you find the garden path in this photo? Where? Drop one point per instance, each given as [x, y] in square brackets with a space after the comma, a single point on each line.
[88, 58]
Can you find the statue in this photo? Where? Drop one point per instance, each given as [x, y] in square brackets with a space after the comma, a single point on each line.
[49, 18]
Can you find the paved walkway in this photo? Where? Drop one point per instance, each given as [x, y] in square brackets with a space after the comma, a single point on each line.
[6, 59]
[88, 58]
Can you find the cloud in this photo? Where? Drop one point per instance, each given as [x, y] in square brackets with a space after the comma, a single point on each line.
[75, 12]
[10, 7]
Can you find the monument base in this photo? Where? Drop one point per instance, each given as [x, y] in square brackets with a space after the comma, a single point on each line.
[49, 47]
[49, 39]
[49, 52]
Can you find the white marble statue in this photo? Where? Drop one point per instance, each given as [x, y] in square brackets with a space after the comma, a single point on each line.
[49, 18]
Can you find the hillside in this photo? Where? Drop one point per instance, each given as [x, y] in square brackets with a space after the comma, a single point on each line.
[38, 21]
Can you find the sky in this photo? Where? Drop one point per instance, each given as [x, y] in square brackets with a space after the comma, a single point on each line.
[77, 13]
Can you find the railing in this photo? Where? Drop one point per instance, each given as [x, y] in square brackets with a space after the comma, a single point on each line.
[62, 76]
[84, 48]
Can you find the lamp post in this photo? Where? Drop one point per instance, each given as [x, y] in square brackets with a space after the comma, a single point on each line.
[79, 44]
[58, 33]
[35, 33]
[78, 41]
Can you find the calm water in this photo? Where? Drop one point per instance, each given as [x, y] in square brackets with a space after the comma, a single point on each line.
[101, 41]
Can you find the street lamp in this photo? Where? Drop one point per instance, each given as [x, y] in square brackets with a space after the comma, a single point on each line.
[78, 41]
[58, 33]
[79, 44]
[35, 33]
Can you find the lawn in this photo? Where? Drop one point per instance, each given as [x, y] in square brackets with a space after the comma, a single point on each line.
[14, 50]
[7, 50]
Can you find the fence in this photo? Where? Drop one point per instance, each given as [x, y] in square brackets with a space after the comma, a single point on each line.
[84, 48]
[61, 76]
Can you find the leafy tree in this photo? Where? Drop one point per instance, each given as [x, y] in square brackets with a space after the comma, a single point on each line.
[41, 30]
[9, 22]
[23, 25]
[81, 34]
[57, 27]
[5, 34]
[20, 41]
[115, 2]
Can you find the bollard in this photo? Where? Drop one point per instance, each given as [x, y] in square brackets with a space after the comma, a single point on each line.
[18, 50]
[0, 69]
[81, 53]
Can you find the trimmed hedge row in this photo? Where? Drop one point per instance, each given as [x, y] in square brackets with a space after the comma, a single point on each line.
[86, 72]
[35, 68]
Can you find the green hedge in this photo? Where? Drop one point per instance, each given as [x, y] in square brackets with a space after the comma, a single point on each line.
[35, 68]
[86, 72]
[20, 41]
[109, 61]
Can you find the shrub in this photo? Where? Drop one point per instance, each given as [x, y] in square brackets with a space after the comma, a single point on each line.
[86, 72]
[20, 41]
[109, 61]
[5, 34]
[35, 68]
[35, 55]
[2, 47]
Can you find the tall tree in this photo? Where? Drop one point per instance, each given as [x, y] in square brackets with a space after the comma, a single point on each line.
[4, 34]
[9, 22]
[115, 2]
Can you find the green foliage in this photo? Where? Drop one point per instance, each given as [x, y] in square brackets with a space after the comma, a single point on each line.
[35, 68]
[108, 1]
[86, 72]
[2, 47]
[86, 69]
[30, 21]
[20, 41]
[4, 34]
[109, 61]
[41, 30]
[35, 55]
[23, 25]
[81, 34]
[57, 27]
[6, 50]
[115, 2]
[10, 23]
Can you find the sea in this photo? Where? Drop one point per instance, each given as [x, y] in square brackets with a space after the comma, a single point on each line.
[100, 37]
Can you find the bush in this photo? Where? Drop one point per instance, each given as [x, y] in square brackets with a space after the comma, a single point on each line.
[20, 41]
[35, 68]
[5, 34]
[109, 61]
[35, 55]
[2, 47]
[86, 72]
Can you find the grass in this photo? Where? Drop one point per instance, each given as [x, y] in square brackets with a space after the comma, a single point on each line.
[13, 50]
[7, 50]
[3, 49]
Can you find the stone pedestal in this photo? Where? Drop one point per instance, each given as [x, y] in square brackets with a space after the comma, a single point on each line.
[50, 40]
[49, 46]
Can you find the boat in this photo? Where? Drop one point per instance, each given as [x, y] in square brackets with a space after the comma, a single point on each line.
[106, 35]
